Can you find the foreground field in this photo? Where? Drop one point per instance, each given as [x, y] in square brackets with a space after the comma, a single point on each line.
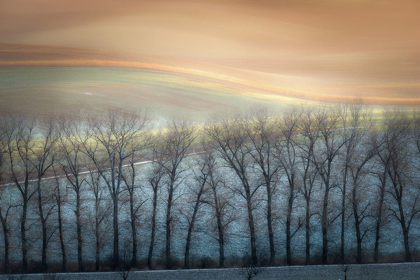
[403, 271]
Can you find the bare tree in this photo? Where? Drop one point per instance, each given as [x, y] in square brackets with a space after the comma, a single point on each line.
[19, 136]
[399, 170]
[73, 160]
[5, 208]
[261, 131]
[60, 199]
[129, 177]
[308, 171]
[113, 136]
[196, 191]
[231, 141]
[287, 156]
[358, 170]
[44, 154]
[356, 122]
[101, 212]
[154, 179]
[381, 161]
[172, 146]
[218, 199]
[330, 143]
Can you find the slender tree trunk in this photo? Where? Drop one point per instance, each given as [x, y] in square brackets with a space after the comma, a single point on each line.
[153, 233]
[187, 248]
[221, 243]
[404, 230]
[116, 231]
[357, 225]
[269, 224]
[6, 252]
[251, 226]
[307, 232]
[79, 233]
[191, 228]
[133, 230]
[288, 225]
[379, 221]
[43, 228]
[23, 236]
[60, 233]
[406, 245]
[220, 230]
[168, 228]
[6, 262]
[97, 235]
[324, 223]
[343, 215]
[97, 252]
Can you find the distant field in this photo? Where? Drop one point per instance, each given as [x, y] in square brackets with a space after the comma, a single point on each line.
[36, 90]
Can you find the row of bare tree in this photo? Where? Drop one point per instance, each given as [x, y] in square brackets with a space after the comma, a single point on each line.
[332, 165]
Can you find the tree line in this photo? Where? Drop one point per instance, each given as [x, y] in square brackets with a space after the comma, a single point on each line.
[339, 170]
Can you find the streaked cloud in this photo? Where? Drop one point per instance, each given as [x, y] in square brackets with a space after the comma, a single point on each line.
[319, 49]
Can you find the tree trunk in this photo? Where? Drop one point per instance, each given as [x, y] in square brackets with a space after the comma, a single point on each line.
[6, 263]
[251, 226]
[324, 223]
[406, 245]
[43, 228]
[133, 230]
[6, 251]
[288, 225]
[79, 233]
[343, 211]
[307, 233]
[60, 233]
[97, 238]
[220, 230]
[168, 229]
[269, 224]
[23, 236]
[191, 227]
[153, 233]
[97, 254]
[379, 219]
[221, 244]
[357, 225]
[116, 233]
[404, 230]
[187, 249]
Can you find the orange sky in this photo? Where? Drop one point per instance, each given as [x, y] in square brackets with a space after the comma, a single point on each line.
[332, 47]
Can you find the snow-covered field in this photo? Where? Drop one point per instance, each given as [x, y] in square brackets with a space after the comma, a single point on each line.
[204, 245]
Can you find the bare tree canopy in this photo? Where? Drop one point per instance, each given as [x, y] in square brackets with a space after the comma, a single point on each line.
[334, 184]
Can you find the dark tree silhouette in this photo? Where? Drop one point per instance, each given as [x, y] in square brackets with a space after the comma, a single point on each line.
[172, 147]
[231, 141]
